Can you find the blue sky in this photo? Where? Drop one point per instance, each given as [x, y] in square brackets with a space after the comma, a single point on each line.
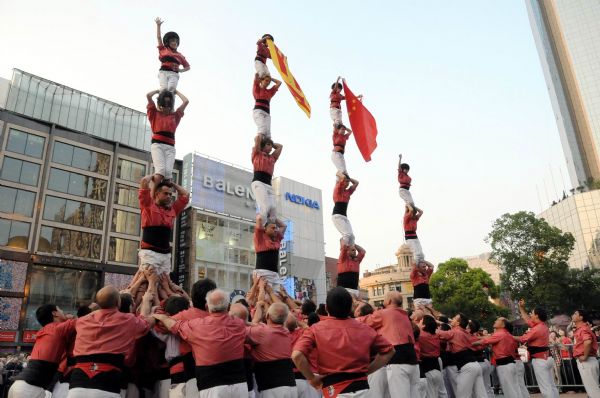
[456, 87]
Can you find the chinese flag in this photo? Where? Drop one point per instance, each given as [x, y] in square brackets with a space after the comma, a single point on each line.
[280, 62]
[363, 124]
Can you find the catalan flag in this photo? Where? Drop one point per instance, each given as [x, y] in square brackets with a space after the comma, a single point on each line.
[364, 127]
[280, 62]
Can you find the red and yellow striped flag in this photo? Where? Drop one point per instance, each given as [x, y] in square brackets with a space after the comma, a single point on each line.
[280, 62]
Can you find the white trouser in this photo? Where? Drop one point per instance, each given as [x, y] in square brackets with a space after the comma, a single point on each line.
[60, 390]
[22, 389]
[450, 379]
[470, 381]
[442, 393]
[378, 383]
[272, 278]
[265, 200]
[159, 262]
[161, 389]
[167, 80]
[543, 374]
[520, 382]
[251, 394]
[336, 115]
[403, 380]
[183, 390]
[342, 224]
[486, 374]
[338, 161]
[589, 375]
[305, 390]
[163, 158]
[435, 382]
[406, 196]
[507, 375]
[79, 392]
[261, 69]
[131, 391]
[263, 122]
[417, 250]
[231, 391]
[422, 387]
[279, 392]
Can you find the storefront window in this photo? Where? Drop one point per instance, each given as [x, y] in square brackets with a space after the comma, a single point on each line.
[16, 201]
[123, 250]
[81, 158]
[67, 288]
[130, 171]
[20, 171]
[125, 222]
[14, 233]
[25, 144]
[73, 212]
[126, 195]
[69, 243]
[77, 184]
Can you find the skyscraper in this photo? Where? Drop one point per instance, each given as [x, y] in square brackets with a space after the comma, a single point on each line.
[567, 36]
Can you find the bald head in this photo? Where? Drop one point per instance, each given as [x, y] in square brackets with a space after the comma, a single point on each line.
[393, 299]
[278, 313]
[217, 301]
[417, 315]
[239, 311]
[108, 297]
[291, 323]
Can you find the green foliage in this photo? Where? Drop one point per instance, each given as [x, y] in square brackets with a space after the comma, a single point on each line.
[457, 288]
[583, 290]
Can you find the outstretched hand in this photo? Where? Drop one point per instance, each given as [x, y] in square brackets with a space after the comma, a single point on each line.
[158, 21]
[522, 303]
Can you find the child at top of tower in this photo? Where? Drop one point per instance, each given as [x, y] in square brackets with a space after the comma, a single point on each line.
[262, 53]
[335, 105]
[262, 103]
[405, 183]
[172, 62]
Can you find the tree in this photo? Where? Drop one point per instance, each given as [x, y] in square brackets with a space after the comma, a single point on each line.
[457, 288]
[533, 258]
[583, 290]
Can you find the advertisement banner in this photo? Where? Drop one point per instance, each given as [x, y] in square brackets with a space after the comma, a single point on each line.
[286, 249]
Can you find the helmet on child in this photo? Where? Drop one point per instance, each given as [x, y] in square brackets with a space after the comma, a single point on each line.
[169, 36]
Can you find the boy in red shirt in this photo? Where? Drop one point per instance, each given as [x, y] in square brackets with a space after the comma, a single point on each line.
[340, 136]
[410, 233]
[164, 122]
[262, 53]
[335, 106]
[262, 103]
[170, 59]
[405, 182]
[419, 277]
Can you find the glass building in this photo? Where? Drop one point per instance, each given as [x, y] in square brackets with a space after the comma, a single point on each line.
[70, 165]
[567, 36]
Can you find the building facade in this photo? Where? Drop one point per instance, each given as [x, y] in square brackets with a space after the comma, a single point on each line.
[482, 261]
[395, 277]
[69, 213]
[219, 245]
[579, 214]
[567, 36]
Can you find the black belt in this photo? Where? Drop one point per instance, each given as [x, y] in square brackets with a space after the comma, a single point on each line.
[504, 361]
[167, 134]
[38, 373]
[268, 260]
[348, 280]
[262, 176]
[168, 69]
[429, 363]
[463, 357]
[221, 374]
[158, 237]
[407, 187]
[405, 355]
[340, 208]
[335, 378]
[189, 367]
[536, 350]
[421, 291]
[261, 59]
[273, 374]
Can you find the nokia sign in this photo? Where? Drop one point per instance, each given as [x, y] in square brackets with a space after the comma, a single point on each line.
[301, 200]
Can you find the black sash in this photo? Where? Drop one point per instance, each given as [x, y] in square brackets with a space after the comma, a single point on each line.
[464, 357]
[38, 373]
[340, 208]
[107, 381]
[536, 350]
[427, 364]
[268, 260]
[221, 374]
[158, 237]
[348, 280]
[405, 355]
[263, 177]
[357, 385]
[504, 361]
[189, 368]
[421, 291]
[272, 374]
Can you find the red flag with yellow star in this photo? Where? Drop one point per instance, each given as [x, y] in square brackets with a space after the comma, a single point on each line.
[280, 62]
[362, 123]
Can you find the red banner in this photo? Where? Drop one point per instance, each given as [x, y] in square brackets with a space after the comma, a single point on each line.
[364, 127]
[8, 337]
[29, 336]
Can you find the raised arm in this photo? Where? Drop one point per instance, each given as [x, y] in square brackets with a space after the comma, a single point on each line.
[277, 151]
[150, 95]
[523, 311]
[145, 182]
[277, 82]
[260, 224]
[399, 161]
[281, 225]
[158, 34]
[184, 101]
[354, 183]
[180, 190]
[348, 132]
[257, 142]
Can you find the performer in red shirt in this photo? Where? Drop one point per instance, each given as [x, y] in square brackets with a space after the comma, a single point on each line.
[262, 103]
[164, 122]
[264, 155]
[419, 277]
[170, 59]
[267, 242]
[393, 323]
[342, 191]
[344, 350]
[159, 213]
[536, 339]
[348, 267]
[405, 183]
[262, 53]
[584, 350]
[335, 107]
[271, 351]
[340, 136]
[429, 364]
[411, 218]
[50, 347]
[218, 345]
[103, 339]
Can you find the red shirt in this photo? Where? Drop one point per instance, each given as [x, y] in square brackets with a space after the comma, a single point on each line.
[340, 193]
[262, 51]
[336, 98]
[536, 336]
[108, 331]
[163, 123]
[348, 264]
[392, 323]
[262, 96]
[502, 342]
[269, 342]
[187, 315]
[583, 333]
[429, 344]
[263, 162]
[418, 278]
[410, 224]
[564, 353]
[170, 59]
[51, 341]
[404, 179]
[215, 339]
[458, 338]
[344, 345]
[263, 243]
[312, 357]
[339, 139]
[158, 216]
